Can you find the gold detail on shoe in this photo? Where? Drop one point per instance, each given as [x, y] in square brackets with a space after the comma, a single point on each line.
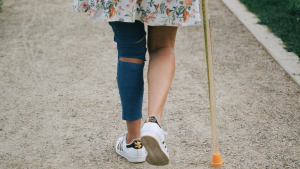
[150, 119]
[138, 144]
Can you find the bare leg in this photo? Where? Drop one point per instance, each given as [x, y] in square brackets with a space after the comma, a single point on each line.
[161, 42]
[134, 130]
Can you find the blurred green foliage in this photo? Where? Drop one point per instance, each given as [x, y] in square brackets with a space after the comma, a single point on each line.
[282, 17]
[1, 3]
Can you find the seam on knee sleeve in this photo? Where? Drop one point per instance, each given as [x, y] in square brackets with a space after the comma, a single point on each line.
[131, 66]
[140, 40]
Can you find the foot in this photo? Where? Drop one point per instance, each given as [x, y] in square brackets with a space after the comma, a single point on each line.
[133, 152]
[154, 141]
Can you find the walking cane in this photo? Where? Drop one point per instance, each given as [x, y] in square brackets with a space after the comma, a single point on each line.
[216, 158]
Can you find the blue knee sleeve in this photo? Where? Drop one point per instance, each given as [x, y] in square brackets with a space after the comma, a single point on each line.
[131, 89]
[137, 50]
[126, 35]
[130, 75]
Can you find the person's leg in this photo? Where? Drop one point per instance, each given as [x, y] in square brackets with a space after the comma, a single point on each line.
[131, 44]
[161, 42]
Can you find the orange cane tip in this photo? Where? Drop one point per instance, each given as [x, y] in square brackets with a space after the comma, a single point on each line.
[216, 160]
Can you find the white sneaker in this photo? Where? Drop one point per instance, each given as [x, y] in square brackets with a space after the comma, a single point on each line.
[133, 152]
[154, 141]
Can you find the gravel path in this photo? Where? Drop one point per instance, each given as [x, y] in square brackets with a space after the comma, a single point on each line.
[60, 106]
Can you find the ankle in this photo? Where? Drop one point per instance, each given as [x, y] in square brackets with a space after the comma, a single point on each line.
[133, 128]
[130, 139]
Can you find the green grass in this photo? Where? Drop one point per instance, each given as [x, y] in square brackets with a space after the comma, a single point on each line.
[282, 17]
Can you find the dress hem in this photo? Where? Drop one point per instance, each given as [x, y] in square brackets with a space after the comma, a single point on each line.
[104, 20]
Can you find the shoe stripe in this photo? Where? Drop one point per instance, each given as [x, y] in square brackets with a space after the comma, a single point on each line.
[120, 146]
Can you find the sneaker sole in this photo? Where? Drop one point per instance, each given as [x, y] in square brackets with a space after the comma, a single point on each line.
[156, 155]
[132, 158]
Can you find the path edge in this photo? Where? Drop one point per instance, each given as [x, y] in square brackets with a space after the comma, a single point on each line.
[274, 45]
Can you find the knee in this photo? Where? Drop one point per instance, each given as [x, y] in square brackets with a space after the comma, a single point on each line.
[133, 52]
[165, 51]
[133, 60]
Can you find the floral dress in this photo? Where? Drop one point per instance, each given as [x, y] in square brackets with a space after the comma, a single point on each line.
[150, 12]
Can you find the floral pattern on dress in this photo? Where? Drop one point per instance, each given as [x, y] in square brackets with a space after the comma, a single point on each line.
[150, 12]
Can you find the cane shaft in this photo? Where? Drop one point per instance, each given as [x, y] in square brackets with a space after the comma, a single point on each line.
[210, 75]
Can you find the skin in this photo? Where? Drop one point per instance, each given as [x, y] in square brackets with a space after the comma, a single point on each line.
[160, 44]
